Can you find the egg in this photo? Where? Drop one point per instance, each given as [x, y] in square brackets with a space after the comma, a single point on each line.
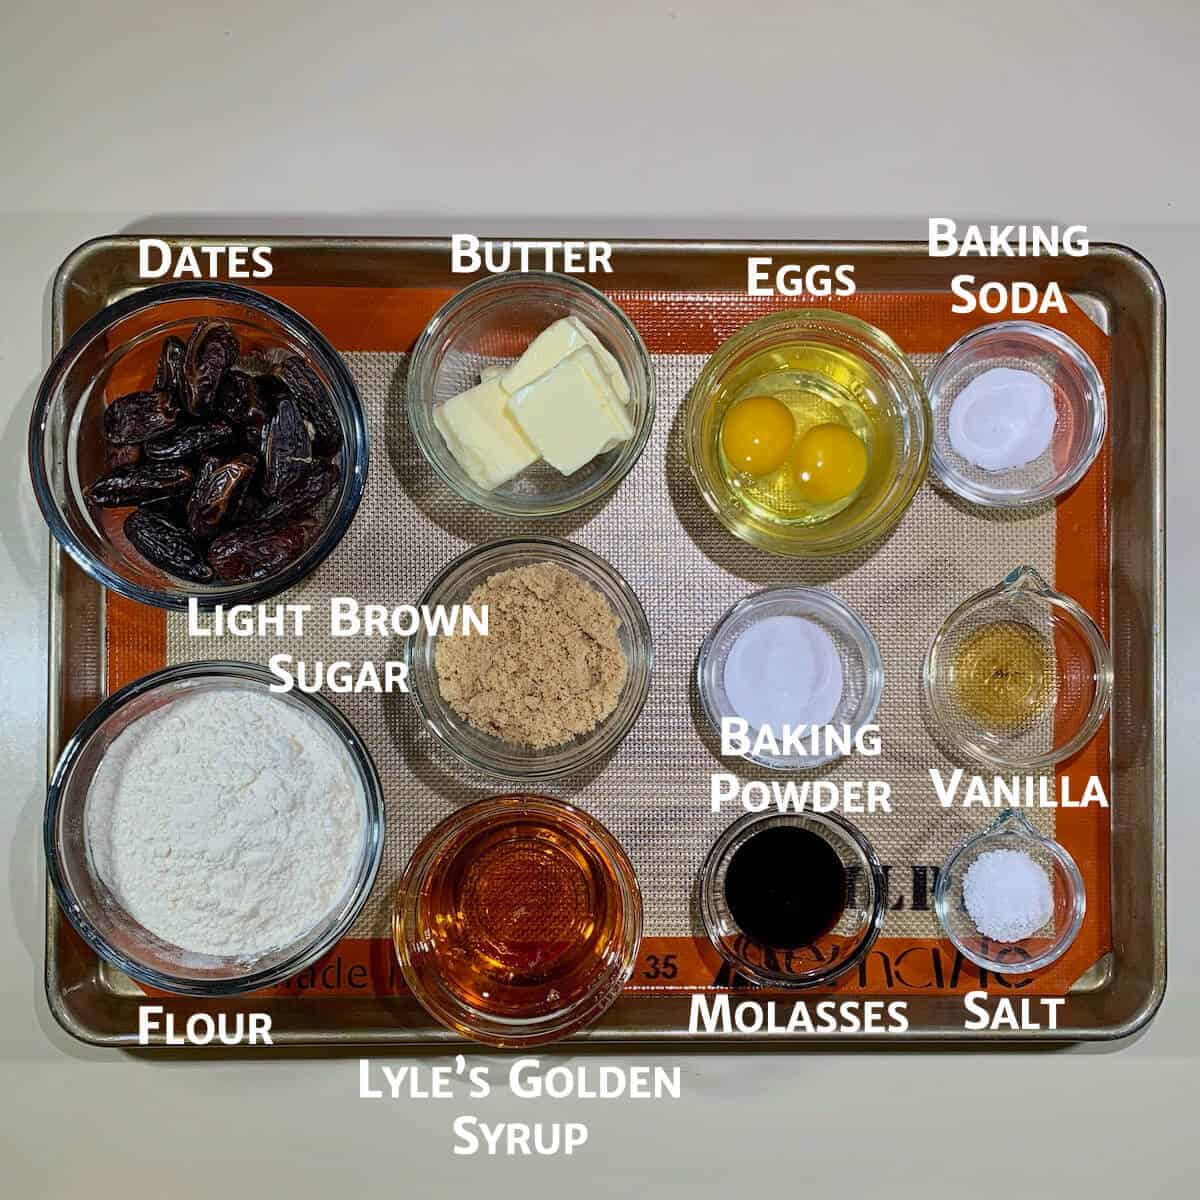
[757, 435]
[830, 464]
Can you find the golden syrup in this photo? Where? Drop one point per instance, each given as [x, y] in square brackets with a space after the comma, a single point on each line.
[522, 917]
[1002, 675]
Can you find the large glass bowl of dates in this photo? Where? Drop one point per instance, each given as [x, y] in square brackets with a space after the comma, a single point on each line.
[198, 439]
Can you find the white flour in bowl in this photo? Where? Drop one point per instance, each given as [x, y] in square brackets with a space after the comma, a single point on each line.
[228, 822]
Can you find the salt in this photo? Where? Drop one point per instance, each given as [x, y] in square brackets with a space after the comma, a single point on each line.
[784, 671]
[1003, 418]
[1008, 895]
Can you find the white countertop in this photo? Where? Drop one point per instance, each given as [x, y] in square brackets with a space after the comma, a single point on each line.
[857, 119]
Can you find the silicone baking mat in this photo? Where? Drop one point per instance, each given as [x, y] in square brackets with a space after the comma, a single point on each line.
[687, 570]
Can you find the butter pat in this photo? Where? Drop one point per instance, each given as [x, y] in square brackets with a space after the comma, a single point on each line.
[571, 412]
[479, 431]
[555, 343]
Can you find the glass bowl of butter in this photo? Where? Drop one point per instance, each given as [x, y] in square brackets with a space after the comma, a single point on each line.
[531, 394]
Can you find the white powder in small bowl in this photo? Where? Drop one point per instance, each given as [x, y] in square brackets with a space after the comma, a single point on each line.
[1008, 895]
[228, 822]
[1004, 418]
[784, 670]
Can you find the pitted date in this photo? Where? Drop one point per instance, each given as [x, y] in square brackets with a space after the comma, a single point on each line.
[312, 398]
[128, 455]
[224, 459]
[211, 350]
[165, 545]
[189, 441]
[140, 416]
[135, 485]
[287, 449]
[313, 486]
[243, 401]
[169, 375]
[256, 551]
[172, 508]
[216, 493]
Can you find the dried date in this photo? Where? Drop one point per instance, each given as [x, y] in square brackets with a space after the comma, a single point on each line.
[173, 508]
[189, 441]
[211, 350]
[136, 485]
[128, 455]
[313, 486]
[140, 416]
[312, 398]
[242, 401]
[256, 551]
[216, 493]
[165, 545]
[169, 375]
[287, 449]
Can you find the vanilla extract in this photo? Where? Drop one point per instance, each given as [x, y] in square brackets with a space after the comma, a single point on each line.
[1015, 791]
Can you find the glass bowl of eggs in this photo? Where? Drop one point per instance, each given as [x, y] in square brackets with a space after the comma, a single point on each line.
[808, 433]
[1019, 414]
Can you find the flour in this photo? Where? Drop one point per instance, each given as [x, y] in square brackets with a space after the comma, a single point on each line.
[228, 822]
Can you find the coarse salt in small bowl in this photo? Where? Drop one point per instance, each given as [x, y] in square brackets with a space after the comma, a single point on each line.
[859, 660]
[1078, 421]
[1011, 831]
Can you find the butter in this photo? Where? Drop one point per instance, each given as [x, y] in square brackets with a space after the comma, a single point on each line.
[555, 343]
[571, 413]
[480, 432]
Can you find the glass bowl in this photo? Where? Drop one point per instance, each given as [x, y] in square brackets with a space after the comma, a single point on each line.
[117, 352]
[1081, 413]
[491, 323]
[1011, 831]
[831, 955]
[862, 666]
[837, 352]
[97, 915]
[482, 750]
[523, 971]
[1006, 721]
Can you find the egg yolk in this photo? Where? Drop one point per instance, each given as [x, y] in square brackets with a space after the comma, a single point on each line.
[757, 434]
[830, 464]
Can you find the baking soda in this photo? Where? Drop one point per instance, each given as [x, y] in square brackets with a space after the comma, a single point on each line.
[1004, 418]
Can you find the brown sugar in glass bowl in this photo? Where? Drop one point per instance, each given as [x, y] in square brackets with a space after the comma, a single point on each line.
[517, 921]
[551, 667]
[555, 743]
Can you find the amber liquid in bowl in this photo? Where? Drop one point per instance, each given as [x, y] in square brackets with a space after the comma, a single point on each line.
[521, 915]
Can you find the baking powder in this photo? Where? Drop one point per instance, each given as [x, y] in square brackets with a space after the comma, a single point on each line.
[229, 822]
